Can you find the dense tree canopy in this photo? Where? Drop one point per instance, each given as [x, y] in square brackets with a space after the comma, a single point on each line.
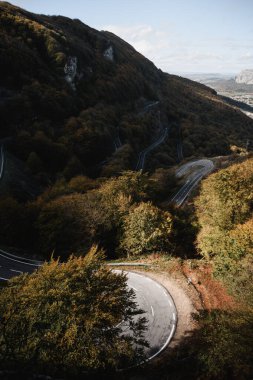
[65, 319]
[225, 201]
[223, 345]
[146, 229]
[65, 128]
[225, 212]
[72, 216]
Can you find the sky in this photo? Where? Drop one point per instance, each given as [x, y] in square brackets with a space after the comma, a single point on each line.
[179, 36]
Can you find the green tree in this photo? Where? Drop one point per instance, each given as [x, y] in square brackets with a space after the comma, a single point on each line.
[235, 260]
[74, 222]
[224, 345]
[146, 229]
[64, 319]
[81, 184]
[34, 163]
[224, 210]
[163, 183]
[73, 168]
[225, 200]
[17, 223]
[61, 226]
[130, 184]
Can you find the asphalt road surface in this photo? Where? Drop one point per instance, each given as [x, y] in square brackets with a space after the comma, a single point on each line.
[158, 305]
[160, 312]
[194, 171]
[12, 265]
[143, 154]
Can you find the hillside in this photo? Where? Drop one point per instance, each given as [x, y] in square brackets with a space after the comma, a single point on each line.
[74, 100]
[91, 141]
[212, 290]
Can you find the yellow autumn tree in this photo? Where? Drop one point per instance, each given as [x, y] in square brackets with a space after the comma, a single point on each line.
[146, 229]
[64, 319]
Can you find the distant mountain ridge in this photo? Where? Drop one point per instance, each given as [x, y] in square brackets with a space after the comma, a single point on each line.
[245, 76]
[68, 93]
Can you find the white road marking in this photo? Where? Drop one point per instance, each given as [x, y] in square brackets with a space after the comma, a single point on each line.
[5, 279]
[165, 344]
[18, 261]
[159, 286]
[146, 301]
[14, 270]
[8, 254]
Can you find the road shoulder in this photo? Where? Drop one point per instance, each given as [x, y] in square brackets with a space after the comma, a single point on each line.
[186, 301]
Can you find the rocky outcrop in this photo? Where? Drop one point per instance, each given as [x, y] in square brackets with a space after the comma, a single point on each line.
[70, 71]
[109, 53]
[245, 76]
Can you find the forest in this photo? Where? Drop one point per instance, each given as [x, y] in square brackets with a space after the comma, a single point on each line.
[63, 127]
[71, 197]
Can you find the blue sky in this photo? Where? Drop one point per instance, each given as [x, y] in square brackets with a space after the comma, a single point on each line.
[179, 36]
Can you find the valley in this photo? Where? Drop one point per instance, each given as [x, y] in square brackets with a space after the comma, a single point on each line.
[227, 86]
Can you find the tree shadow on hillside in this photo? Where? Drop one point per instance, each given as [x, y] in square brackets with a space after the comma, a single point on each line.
[185, 233]
[221, 348]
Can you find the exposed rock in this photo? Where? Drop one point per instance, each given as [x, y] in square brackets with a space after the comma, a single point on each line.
[245, 76]
[109, 53]
[70, 70]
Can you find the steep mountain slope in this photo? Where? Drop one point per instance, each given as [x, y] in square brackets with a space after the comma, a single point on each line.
[75, 100]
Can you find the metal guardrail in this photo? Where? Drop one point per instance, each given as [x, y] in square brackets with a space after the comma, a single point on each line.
[129, 265]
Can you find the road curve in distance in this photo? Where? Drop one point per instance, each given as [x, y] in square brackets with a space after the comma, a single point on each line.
[194, 165]
[159, 310]
[193, 172]
[142, 155]
[12, 265]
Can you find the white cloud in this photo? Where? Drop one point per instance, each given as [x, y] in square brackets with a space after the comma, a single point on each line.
[246, 57]
[144, 38]
[173, 52]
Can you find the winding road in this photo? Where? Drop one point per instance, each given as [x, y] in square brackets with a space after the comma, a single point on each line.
[13, 265]
[157, 304]
[159, 310]
[194, 171]
[142, 155]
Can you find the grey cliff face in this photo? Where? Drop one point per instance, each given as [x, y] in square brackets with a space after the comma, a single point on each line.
[245, 76]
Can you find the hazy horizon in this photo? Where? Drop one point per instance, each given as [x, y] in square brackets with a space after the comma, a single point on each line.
[186, 36]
